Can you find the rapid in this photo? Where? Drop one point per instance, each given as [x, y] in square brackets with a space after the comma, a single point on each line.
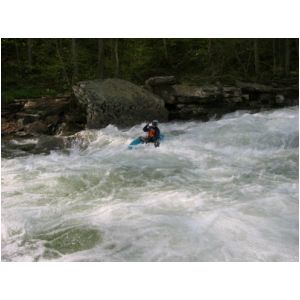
[223, 190]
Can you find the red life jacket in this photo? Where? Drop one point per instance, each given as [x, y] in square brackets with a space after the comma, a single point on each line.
[151, 133]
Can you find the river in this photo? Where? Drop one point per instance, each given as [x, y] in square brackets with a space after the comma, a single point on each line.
[223, 190]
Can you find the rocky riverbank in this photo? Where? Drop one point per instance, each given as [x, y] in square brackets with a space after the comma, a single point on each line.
[47, 116]
[95, 104]
[186, 102]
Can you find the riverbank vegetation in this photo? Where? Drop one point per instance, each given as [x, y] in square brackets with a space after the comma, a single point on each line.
[46, 67]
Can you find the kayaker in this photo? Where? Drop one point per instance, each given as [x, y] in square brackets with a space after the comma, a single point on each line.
[153, 133]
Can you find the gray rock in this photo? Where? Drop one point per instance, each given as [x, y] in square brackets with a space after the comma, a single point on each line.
[248, 87]
[47, 106]
[118, 102]
[20, 123]
[48, 143]
[196, 91]
[36, 127]
[160, 80]
[231, 91]
[27, 118]
[180, 93]
[279, 99]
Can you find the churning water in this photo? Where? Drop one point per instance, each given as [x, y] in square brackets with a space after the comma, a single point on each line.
[224, 190]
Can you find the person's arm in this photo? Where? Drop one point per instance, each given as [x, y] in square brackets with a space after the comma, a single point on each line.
[146, 128]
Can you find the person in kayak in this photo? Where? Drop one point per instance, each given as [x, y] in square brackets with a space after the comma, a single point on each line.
[153, 134]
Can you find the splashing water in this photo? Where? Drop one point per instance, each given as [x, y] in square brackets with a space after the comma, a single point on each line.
[224, 190]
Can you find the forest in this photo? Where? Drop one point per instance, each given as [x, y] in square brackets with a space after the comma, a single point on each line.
[34, 67]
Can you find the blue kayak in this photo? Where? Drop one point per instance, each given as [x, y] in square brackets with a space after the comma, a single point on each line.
[137, 141]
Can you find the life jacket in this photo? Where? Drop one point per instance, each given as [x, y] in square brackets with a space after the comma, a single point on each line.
[151, 133]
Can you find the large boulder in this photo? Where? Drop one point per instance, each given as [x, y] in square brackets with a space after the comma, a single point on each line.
[119, 102]
[152, 83]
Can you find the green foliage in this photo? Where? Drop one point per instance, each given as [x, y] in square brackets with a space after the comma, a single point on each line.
[36, 67]
[26, 92]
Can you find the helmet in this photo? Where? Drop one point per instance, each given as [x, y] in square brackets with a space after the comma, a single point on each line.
[155, 122]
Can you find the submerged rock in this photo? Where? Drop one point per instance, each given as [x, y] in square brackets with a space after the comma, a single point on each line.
[118, 102]
[71, 240]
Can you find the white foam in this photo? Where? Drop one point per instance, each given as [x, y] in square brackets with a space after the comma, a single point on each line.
[225, 190]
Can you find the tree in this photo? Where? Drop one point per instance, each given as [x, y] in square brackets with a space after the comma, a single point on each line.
[116, 51]
[166, 50]
[100, 62]
[256, 57]
[241, 62]
[287, 57]
[274, 55]
[17, 52]
[74, 62]
[62, 64]
[29, 52]
[30, 66]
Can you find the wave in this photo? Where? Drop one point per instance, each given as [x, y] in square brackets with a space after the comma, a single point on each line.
[223, 190]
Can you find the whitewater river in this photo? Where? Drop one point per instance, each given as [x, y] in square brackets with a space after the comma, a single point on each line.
[224, 190]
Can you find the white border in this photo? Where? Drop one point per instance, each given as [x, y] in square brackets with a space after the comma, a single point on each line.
[133, 18]
[151, 18]
[245, 281]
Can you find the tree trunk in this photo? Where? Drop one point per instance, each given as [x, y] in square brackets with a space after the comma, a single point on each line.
[116, 58]
[209, 49]
[287, 57]
[256, 57]
[65, 75]
[74, 62]
[29, 52]
[166, 50]
[209, 61]
[239, 59]
[279, 56]
[240, 62]
[100, 62]
[249, 60]
[274, 56]
[17, 52]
